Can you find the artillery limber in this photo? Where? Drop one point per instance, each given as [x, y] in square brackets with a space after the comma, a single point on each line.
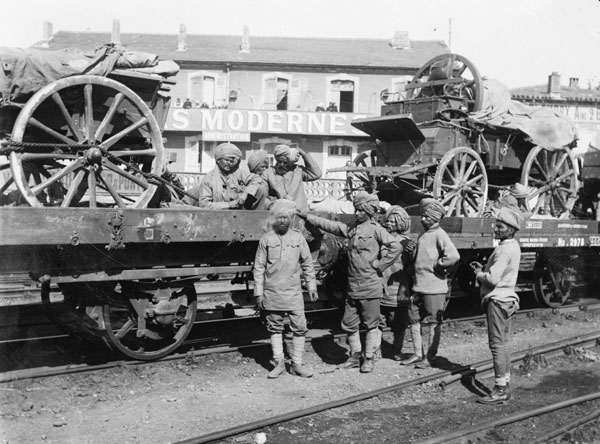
[458, 137]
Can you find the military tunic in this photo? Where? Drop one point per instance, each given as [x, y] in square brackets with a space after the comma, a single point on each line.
[217, 190]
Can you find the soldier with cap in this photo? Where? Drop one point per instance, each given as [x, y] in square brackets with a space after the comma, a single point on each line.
[435, 256]
[286, 179]
[365, 267]
[499, 299]
[229, 186]
[281, 259]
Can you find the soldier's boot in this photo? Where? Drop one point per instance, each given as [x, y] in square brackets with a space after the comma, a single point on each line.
[500, 395]
[371, 343]
[417, 340]
[278, 360]
[398, 344]
[297, 353]
[355, 352]
[377, 352]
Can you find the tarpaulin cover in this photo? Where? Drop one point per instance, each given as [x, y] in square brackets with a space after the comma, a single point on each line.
[25, 71]
[542, 126]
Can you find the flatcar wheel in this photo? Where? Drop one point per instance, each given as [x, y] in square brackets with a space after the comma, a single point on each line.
[362, 180]
[86, 141]
[461, 183]
[551, 287]
[148, 323]
[553, 175]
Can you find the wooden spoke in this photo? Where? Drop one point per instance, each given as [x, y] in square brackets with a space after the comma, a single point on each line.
[452, 177]
[112, 192]
[6, 184]
[448, 196]
[70, 123]
[564, 176]
[92, 187]
[125, 328]
[114, 139]
[56, 177]
[39, 125]
[470, 170]
[448, 186]
[101, 130]
[475, 179]
[73, 188]
[539, 191]
[111, 166]
[536, 181]
[133, 153]
[471, 202]
[89, 112]
[463, 164]
[33, 157]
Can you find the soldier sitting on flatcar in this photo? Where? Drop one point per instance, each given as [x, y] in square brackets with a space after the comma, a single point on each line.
[229, 186]
[286, 177]
[281, 258]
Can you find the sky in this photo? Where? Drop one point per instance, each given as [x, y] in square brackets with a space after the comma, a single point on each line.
[519, 42]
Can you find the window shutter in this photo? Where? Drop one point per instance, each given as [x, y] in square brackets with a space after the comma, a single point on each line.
[271, 93]
[295, 96]
[221, 96]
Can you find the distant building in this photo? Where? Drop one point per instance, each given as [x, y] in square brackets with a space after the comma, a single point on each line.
[262, 91]
[579, 102]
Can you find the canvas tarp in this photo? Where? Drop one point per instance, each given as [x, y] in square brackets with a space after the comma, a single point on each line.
[25, 71]
[542, 126]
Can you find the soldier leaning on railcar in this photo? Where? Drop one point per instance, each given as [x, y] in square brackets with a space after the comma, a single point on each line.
[365, 288]
[435, 256]
[281, 258]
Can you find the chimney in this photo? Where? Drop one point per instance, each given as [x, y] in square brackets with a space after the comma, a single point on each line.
[245, 46]
[574, 82]
[554, 83]
[46, 35]
[182, 42]
[115, 38]
[400, 40]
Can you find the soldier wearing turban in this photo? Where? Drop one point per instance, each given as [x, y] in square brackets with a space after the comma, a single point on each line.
[499, 299]
[365, 265]
[286, 179]
[229, 186]
[282, 258]
[435, 256]
[397, 280]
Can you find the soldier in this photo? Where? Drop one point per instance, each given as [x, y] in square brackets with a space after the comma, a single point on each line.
[286, 177]
[365, 239]
[397, 280]
[435, 256]
[499, 299]
[228, 186]
[282, 256]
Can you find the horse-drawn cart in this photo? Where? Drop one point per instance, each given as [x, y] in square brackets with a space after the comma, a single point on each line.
[458, 137]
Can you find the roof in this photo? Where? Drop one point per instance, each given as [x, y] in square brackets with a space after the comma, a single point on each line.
[298, 51]
[566, 93]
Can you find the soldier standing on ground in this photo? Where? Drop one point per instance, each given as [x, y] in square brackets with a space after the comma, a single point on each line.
[499, 299]
[281, 258]
[364, 290]
[435, 256]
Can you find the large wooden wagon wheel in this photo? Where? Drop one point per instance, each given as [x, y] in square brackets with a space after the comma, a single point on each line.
[461, 183]
[553, 174]
[148, 321]
[359, 180]
[455, 76]
[86, 141]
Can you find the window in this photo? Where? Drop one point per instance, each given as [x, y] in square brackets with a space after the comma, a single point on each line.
[207, 89]
[278, 91]
[342, 93]
[340, 150]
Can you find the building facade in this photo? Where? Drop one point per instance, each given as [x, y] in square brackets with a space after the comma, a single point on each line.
[263, 91]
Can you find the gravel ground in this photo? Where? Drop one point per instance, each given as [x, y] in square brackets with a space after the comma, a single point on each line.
[177, 400]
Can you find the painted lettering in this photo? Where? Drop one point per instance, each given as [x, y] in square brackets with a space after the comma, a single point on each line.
[212, 122]
[274, 121]
[180, 118]
[294, 123]
[256, 120]
[336, 123]
[316, 123]
[235, 120]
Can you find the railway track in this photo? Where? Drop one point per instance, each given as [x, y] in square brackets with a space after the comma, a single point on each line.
[202, 345]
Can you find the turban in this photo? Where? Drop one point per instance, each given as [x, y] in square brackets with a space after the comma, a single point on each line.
[432, 208]
[369, 203]
[283, 207]
[256, 159]
[511, 217]
[400, 216]
[226, 150]
[284, 150]
[519, 190]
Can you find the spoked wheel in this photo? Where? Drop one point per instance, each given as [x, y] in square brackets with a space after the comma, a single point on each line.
[361, 180]
[86, 141]
[450, 75]
[7, 184]
[461, 183]
[147, 321]
[553, 174]
[551, 284]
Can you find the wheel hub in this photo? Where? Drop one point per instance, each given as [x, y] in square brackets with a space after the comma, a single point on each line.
[94, 156]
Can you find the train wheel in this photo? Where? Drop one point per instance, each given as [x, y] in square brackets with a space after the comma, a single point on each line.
[553, 174]
[551, 286]
[86, 141]
[461, 183]
[358, 180]
[145, 322]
